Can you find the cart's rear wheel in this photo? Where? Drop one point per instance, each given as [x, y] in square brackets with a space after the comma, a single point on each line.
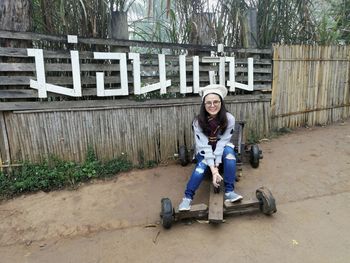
[255, 156]
[267, 201]
[183, 155]
[166, 214]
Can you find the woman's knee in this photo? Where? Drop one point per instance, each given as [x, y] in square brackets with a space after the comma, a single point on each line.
[229, 153]
[200, 169]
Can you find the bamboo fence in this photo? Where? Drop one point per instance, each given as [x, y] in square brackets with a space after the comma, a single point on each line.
[310, 85]
[143, 131]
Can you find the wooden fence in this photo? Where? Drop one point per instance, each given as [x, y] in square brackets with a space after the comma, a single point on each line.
[144, 131]
[17, 68]
[32, 128]
[311, 85]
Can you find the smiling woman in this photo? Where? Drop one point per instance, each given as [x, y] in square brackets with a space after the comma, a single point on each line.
[212, 104]
[213, 129]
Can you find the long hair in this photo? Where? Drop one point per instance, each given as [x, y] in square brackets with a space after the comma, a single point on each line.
[203, 118]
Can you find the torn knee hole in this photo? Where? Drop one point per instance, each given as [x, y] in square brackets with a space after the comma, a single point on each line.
[199, 170]
[230, 156]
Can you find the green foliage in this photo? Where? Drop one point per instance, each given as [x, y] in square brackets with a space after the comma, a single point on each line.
[284, 130]
[54, 173]
[252, 138]
[4, 185]
[112, 167]
[340, 13]
[144, 164]
[327, 33]
[89, 18]
[278, 21]
[287, 22]
[280, 132]
[156, 95]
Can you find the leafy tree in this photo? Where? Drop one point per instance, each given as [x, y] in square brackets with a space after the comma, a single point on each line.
[89, 18]
[282, 21]
[279, 21]
[340, 12]
[327, 32]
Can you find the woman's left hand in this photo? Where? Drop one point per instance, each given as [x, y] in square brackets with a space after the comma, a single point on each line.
[217, 178]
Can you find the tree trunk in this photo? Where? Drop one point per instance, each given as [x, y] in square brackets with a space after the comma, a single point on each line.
[15, 15]
[202, 30]
[119, 28]
[47, 16]
[249, 29]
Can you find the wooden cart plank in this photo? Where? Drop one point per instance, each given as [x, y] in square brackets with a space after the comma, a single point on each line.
[197, 211]
[216, 208]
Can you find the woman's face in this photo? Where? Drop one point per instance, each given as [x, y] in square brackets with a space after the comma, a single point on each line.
[212, 104]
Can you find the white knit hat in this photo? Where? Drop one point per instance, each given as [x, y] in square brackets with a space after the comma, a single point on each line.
[213, 88]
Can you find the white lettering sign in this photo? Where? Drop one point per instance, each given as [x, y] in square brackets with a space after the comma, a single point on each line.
[43, 87]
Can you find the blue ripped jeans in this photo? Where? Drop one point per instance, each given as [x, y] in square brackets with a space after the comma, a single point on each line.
[229, 164]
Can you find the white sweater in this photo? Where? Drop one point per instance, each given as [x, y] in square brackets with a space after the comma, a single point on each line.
[202, 146]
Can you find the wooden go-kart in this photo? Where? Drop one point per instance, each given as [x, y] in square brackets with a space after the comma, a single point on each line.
[217, 208]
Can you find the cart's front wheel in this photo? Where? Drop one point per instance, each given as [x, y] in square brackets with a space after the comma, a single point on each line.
[166, 213]
[267, 201]
[183, 155]
[255, 156]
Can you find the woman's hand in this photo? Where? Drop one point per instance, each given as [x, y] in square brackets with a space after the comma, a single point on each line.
[217, 178]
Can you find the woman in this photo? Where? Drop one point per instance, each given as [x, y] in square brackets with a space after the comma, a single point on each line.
[213, 129]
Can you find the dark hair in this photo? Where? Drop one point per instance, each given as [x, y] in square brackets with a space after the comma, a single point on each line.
[203, 118]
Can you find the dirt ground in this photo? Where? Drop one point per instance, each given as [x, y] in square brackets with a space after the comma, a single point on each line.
[308, 172]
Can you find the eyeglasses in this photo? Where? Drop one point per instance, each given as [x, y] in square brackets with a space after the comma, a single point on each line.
[214, 102]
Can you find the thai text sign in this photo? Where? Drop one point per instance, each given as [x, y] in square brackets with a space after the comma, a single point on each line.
[43, 87]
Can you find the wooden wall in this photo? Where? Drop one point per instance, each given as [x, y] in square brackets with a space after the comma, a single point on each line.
[32, 128]
[151, 130]
[16, 68]
[311, 85]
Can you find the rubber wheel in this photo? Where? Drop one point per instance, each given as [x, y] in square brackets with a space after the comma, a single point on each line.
[254, 156]
[267, 201]
[166, 214]
[183, 155]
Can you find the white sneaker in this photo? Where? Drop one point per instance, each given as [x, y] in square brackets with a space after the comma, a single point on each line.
[232, 197]
[185, 204]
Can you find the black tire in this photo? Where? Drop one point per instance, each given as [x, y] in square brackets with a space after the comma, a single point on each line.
[254, 156]
[166, 214]
[267, 201]
[183, 155]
